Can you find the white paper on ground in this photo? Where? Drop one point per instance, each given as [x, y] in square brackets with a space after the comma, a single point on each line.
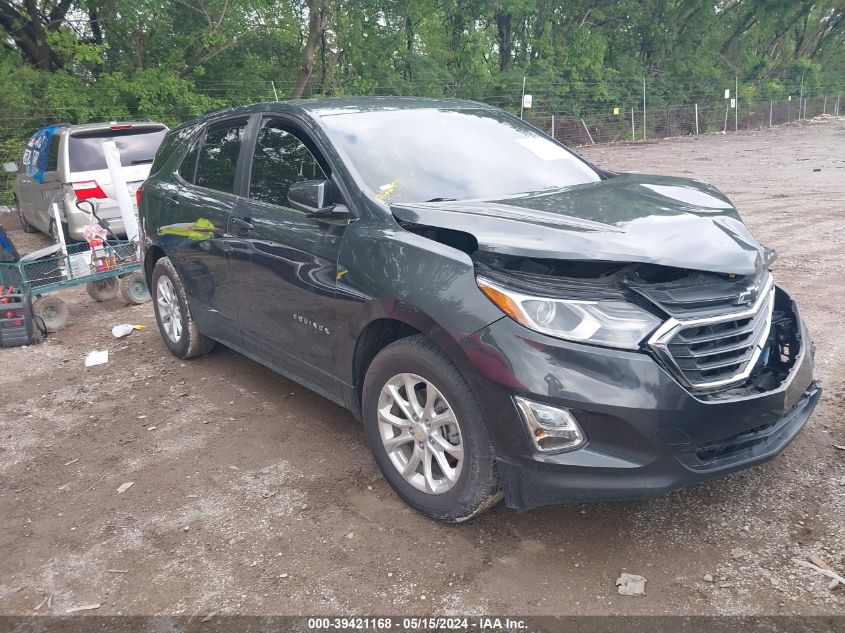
[124, 329]
[97, 357]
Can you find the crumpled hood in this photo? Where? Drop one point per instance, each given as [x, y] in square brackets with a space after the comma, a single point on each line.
[635, 218]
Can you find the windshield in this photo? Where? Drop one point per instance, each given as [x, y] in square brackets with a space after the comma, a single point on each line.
[420, 155]
[137, 145]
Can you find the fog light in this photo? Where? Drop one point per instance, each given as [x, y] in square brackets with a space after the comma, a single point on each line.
[551, 428]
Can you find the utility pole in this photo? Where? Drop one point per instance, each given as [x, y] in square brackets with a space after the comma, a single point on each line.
[736, 109]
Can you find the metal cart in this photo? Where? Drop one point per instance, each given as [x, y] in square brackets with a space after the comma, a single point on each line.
[106, 271]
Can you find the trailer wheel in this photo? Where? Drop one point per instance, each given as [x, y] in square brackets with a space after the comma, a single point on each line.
[52, 311]
[133, 289]
[103, 289]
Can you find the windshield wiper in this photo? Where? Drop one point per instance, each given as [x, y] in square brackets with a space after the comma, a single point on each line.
[142, 161]
[442, 200]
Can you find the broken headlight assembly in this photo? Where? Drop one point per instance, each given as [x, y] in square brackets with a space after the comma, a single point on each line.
[612, 323]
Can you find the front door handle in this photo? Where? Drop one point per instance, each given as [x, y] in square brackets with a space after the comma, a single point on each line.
[242, 224]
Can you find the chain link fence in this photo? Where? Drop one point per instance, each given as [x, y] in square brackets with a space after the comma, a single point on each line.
[631, 125]
[591, 125]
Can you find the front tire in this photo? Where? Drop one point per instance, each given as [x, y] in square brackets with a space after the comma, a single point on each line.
[177, 326]
[426, 432]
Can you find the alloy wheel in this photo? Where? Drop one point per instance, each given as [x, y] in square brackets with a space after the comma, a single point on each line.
[420, 433]
[169, 311]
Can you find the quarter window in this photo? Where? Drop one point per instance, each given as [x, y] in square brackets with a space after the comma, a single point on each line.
[53, 153]
[218, 157]
[188, 168]
[280, 160]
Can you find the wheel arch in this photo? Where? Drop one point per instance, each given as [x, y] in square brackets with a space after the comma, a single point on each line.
[152, 255]
[386, 329]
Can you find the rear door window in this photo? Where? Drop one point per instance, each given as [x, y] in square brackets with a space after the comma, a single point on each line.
[137, 145]
[218, 157]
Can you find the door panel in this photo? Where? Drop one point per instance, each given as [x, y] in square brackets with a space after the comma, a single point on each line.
[197, 237]
[288, 308]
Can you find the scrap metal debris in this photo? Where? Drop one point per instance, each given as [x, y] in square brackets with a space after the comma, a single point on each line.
[825, 572]
[84, 607]
[631, 585]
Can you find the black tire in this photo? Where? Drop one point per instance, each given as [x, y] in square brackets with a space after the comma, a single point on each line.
[190, 342]
[477, 486]
[103, 289]
[133, 289]
[52, 311]
[25, 226]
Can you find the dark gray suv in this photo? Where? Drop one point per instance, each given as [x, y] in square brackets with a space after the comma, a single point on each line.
[505, 318]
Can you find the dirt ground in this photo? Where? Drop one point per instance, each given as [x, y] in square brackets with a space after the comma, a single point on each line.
[253, 495]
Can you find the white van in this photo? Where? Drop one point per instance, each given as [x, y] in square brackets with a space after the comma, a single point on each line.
[65, 163]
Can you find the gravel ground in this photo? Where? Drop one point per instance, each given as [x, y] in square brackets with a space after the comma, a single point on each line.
[253, 495]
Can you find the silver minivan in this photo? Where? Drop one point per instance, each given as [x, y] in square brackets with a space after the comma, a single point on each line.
[66, 164]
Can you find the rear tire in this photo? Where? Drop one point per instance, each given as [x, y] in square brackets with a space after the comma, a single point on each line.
[173, 315]
[25, 226]
[52, 311]
[65, 233]
[103, 289]
[133, 289]
[460, 481]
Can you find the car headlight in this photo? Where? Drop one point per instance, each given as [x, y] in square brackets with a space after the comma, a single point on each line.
[612, 323]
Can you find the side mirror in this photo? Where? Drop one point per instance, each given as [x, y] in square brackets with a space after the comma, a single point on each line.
[311, 195]
[10, 168]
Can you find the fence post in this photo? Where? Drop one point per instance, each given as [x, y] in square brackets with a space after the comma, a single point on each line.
[553, 126]
[587, 130]
[736, 109]
[824, 107]
[522, 102]
[771, 108]
[727, 110]
[837, 105]
[645, 123]
[633, 138]
[696, 119]
[801, 97]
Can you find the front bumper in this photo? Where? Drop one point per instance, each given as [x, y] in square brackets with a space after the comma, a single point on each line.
[646, 434]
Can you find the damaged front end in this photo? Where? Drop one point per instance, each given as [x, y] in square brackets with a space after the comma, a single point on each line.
[647, 346]
[719, 335]
[670, 255]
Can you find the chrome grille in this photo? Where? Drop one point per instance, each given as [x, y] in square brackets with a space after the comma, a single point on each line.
[711, 352]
